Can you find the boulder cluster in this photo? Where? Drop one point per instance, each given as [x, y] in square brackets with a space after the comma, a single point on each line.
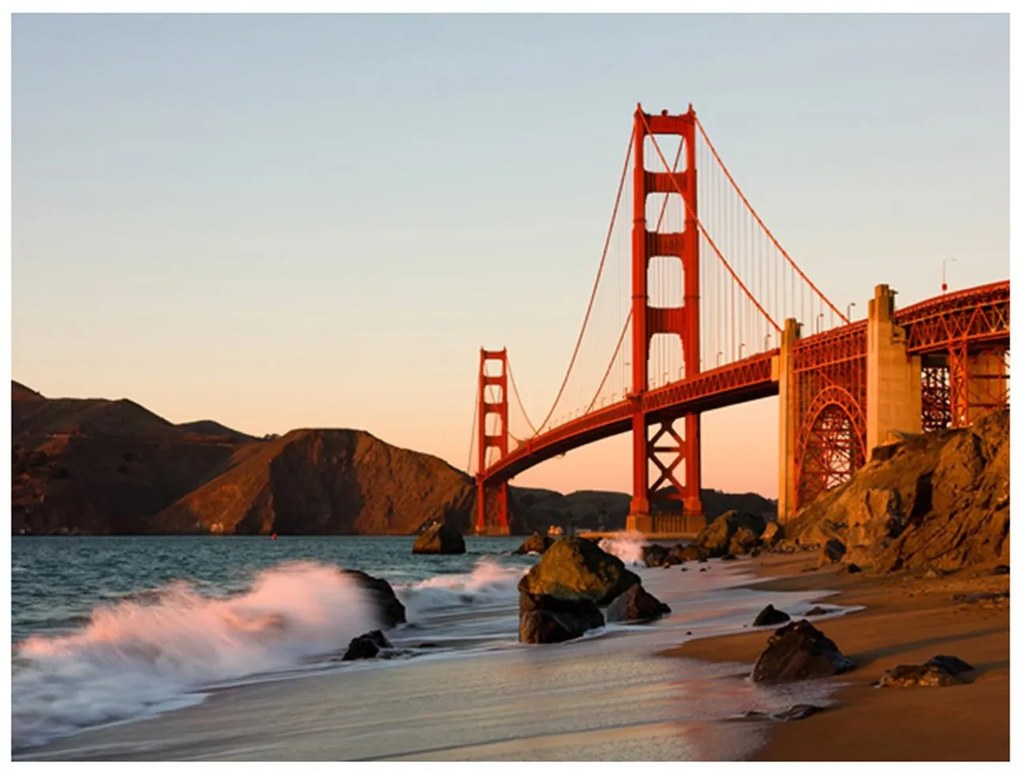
[577, 586]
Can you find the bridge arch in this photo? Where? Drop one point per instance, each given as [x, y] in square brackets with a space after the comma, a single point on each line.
[831, 445]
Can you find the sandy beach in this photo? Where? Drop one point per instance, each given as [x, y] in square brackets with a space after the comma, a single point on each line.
[906, 620]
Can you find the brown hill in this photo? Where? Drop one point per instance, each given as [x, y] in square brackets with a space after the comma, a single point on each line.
[938, 500]
[20, 393]
[324, 481]
[99, 466]
[214, 429]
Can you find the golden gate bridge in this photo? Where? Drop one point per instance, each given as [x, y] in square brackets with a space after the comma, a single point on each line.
[707, 310]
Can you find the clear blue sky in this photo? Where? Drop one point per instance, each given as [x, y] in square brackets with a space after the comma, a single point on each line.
[284, 221]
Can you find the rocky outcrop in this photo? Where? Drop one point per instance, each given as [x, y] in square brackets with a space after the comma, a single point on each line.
[574, 577]
[798, 651]
[940, 500]
[366, 646]
[389, 609]
[439, 539]
[535, 543]
[735, 532]
[936, 671]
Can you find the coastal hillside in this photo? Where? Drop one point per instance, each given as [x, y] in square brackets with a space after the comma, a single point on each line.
[537, 509]
[324, 482]
[102, 466]
[938, 500]
[98, 465]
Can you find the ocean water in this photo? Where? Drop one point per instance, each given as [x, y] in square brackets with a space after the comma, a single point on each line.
[108, 630]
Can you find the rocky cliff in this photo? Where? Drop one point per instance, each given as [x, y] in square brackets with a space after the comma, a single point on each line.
[939, 500]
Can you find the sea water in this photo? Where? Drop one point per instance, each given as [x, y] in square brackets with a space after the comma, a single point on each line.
[113, 629]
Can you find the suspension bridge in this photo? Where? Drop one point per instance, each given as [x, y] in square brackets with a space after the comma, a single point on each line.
[708, 310]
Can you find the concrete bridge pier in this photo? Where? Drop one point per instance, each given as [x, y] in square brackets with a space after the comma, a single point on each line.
[893, 375]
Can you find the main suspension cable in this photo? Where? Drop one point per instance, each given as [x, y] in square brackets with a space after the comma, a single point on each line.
[598, 278]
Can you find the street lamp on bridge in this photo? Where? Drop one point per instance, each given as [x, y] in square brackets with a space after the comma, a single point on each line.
[945, 285]
[851, 305]
[818, 322]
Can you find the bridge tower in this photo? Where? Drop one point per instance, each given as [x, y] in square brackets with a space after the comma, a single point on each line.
[667, 450]
[492, 400]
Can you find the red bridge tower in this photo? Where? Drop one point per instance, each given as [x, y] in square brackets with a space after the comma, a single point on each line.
[666, 449]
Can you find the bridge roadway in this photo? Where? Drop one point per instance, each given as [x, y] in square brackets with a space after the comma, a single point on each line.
[979, 315]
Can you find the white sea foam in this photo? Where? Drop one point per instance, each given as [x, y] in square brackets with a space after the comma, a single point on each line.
[627, 548]
[135, 658]
[488, 583]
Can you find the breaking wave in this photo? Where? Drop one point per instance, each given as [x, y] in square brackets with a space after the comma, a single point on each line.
[149, 654]
[628, 549]
[489, 583]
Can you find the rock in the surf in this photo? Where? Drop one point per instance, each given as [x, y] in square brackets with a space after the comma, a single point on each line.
[655, 555]
[770, 616]
[439, 539]
[389, 609]
[561, 595]
[366, 646]
[536, 542]
[636, 604]
[576, 569]
[798, 651]
[548, 619]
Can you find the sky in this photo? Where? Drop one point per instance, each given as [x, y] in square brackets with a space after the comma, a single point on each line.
[290, 221]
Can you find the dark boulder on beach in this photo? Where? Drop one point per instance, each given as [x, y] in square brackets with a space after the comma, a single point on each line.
[636, 604]
[798, 651]
[440, 538]
[548, 619]
[366, 646]
[536, 542]
[390, 610]
[770, 616]
[938, 671]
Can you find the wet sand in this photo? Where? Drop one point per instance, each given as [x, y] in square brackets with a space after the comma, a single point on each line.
[906, 620]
